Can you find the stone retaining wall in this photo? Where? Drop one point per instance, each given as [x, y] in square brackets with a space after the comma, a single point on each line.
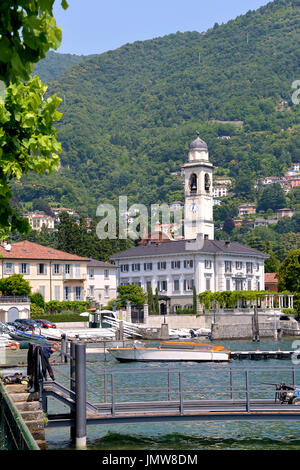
[179, 321]
[240, 331]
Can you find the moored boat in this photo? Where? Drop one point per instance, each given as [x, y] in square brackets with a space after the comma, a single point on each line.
[20, 335]
[172, 352]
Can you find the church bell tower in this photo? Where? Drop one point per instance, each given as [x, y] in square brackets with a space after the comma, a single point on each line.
[198, 179]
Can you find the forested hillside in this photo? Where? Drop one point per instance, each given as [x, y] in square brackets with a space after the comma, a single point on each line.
[55, 64]
[130, 114]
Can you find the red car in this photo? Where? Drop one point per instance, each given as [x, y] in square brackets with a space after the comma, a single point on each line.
[46, 324]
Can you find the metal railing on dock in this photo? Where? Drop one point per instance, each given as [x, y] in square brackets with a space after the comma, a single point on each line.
[163, 393]
[11, 421]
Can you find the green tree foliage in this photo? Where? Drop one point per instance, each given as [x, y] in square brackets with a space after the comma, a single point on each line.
[27, 141]
[42, 205]
[15, 285]
[239, 89]
[132, 293]
[229, 299]
[289, 272]
[244, 185]
[194, 300]
[76, 237]
[54, 65]
[272, 197]
[272, 263]
[157, 311]
[150, 299]
[288, 224]
[27, 136]
[27, 31]
[228, 225]
[37, 299]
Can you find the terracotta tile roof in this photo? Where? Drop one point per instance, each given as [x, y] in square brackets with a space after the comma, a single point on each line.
[29, 250]
[271, 278]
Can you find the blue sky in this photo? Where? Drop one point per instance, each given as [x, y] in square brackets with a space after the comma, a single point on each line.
[95, 26]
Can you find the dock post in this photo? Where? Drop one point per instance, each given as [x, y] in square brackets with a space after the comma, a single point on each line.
[294, 376]
[231, 383]
[255, 326]
[180, 393]
[247, 392]
[63, 348]
[72, 385]
[104, 386]
[80, 391]
[112, 395]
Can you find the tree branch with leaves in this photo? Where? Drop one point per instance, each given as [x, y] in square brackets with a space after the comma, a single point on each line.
[27, 133]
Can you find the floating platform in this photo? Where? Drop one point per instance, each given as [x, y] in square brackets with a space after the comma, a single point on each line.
[257, 355]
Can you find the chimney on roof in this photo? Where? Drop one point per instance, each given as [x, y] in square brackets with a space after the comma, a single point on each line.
[227, 244]
[6, 246]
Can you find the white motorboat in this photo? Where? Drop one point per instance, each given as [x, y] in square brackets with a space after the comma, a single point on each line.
[180, 333]
[202, 332]
[5, 341]
[171, 352]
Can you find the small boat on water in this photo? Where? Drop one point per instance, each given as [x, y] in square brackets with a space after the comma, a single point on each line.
[4, 341]
[20, 335]
[172, 351]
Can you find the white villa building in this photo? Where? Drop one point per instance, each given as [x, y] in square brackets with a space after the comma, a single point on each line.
[175, 267]
[101, 281]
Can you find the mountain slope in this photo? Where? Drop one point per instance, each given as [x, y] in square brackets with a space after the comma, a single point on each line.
[55, 64]
[130, 114]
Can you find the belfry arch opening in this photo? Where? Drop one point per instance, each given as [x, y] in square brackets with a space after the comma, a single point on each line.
[193, 183]
[207, 182]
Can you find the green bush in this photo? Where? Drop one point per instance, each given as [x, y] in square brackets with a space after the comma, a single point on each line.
[74, 306]
[185, 311]
[38, 300]
[61, 317]
[36, 311]
[289, 311]
[15, 285]
[229, 299]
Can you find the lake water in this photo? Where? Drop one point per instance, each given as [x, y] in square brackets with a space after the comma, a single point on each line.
[199, 380]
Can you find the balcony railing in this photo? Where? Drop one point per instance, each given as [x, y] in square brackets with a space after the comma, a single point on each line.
[12, 299]
[74, 276]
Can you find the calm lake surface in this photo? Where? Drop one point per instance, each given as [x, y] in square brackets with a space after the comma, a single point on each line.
[210, 381]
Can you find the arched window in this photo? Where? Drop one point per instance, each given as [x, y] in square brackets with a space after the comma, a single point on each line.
[207, 182]
[193, 183]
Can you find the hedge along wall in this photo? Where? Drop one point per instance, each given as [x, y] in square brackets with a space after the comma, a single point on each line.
[64, 311]
[61, 317]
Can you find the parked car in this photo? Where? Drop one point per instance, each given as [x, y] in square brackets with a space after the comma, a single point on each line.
[10, 325]
[46, 324]
[26, 322]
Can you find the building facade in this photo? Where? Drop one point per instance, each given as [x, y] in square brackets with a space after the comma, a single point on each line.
[37, 221]
[174, 268]
[101, 281]
[271, 282]
[58, 275]
[220, 191]
[55, 274]
[247, 209]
